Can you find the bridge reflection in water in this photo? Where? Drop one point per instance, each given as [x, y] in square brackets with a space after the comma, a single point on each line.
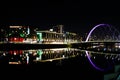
[34, 56]
[60, 61]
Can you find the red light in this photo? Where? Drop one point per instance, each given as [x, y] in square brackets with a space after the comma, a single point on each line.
[15, 39]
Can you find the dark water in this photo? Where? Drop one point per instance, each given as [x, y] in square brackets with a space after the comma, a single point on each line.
[62, 63]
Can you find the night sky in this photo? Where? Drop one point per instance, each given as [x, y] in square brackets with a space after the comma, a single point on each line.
[76, 16]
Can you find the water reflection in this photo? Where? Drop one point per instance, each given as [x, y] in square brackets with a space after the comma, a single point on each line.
[31, 56]
[99, 59]
[103, 61]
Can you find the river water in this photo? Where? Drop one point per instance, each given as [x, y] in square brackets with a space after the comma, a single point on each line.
[59, 62]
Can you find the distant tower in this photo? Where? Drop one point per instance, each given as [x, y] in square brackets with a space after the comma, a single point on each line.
[60, 28]
[28, 30]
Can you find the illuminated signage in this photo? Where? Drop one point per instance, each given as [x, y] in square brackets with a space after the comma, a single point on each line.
[15, 26]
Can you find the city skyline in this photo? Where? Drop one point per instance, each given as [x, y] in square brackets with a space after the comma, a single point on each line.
[74, 15]
[77, 17]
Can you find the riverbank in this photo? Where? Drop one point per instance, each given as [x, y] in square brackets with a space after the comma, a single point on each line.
[26, 46]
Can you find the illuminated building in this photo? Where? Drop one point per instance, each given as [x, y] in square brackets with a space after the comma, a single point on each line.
[18, 33]
[56, 37]
[49, 37]
[24, 34]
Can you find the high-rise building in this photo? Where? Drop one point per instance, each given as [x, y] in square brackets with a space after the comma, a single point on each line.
[60, 28]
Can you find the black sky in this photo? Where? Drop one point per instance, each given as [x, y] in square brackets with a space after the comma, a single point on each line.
[76, 16]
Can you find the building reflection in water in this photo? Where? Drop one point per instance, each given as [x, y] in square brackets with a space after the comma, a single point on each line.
[100, 59]
[38, 55]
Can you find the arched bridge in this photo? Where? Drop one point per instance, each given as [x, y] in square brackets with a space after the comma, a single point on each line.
[100, 34]
[104, 41]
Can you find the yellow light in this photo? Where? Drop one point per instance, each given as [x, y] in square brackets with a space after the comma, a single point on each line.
[15, 26]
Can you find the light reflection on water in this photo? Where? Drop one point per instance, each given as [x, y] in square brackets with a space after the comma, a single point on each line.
[45, 55]
[41, 55]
